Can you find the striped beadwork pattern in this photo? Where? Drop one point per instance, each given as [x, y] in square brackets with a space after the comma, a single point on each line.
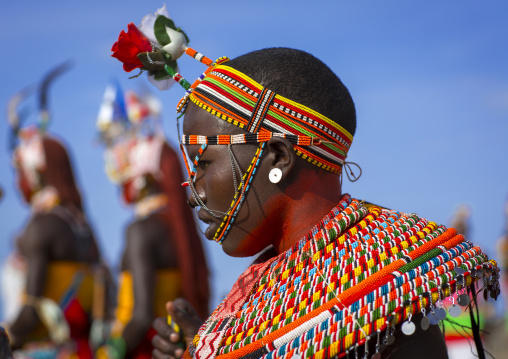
[338, 285]
[246, 138]
[239, 197]
[238, 99]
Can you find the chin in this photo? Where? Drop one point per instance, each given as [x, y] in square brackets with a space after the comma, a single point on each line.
[209, 231]
[243, 247]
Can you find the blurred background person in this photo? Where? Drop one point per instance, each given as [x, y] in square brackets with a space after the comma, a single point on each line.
[498, 325]
[163, 257]
[491, 317]
[50, 288]
[5, 349]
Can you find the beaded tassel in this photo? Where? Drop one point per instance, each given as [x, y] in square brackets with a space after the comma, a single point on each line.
[177, 77]
[198, 56]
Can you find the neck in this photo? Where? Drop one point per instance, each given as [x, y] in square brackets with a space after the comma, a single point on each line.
[45, 199]
[151, 204]
[306, 205]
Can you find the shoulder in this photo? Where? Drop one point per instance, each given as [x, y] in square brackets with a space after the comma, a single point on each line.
[40, 233]
[145, 230]
[143, 225]
[44, 225]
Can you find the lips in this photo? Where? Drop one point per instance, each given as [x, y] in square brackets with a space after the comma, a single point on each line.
[210, 221]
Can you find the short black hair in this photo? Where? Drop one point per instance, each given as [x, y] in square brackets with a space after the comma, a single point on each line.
[300, 77]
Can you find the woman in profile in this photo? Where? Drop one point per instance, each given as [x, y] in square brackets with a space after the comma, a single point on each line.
[57, 248]
[163, 256]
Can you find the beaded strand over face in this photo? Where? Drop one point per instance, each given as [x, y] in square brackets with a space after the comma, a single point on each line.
[241, 190]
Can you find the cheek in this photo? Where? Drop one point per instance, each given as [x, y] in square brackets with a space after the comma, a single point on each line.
[218, 186]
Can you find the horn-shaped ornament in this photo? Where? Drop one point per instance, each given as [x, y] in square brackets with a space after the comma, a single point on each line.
[15, 117]
[44, 92]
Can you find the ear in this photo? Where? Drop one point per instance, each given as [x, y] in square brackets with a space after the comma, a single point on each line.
[281, 154]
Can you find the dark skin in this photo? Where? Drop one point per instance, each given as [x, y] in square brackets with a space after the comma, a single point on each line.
[274, 214]
[47, 238]
[147, 249]
[267, 204]
[5, 349]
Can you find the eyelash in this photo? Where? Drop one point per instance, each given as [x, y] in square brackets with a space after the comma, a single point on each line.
[203, 164]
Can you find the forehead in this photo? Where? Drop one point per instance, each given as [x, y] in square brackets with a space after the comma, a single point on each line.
[199, 122]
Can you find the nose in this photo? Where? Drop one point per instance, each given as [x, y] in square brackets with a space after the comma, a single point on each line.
[196, 192]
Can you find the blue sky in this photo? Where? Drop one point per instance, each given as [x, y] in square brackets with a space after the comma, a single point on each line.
[429, 80]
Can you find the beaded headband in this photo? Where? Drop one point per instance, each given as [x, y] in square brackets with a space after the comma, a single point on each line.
[130, 128]
[238, 99]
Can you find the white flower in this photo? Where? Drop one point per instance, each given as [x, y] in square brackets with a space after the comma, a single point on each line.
[178, 42]
[148, 22]
[176, 46]
[162, 85]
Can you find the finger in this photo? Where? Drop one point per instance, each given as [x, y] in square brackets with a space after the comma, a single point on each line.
[163, 345]
[162, 328]
[165, 330]
[182, 304]
[156, 354]
[186, 317]
[174, 337]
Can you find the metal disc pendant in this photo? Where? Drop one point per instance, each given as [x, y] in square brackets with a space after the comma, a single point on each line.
[454, 310]
[425, 323]
[440, 313]
[463, 300]
[408, 328]
[432, 319]
[459, 271]
[376, 356]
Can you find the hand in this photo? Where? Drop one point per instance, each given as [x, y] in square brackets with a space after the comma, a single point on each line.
[166, 340]
[5, 349]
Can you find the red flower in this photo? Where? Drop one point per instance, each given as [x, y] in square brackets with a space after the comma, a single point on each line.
[129, 45]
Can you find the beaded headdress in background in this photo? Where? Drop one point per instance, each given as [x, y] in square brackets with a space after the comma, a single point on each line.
[130, 127]
[26, 142]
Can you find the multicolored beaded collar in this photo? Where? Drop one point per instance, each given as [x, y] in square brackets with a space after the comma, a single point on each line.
[359, 274]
